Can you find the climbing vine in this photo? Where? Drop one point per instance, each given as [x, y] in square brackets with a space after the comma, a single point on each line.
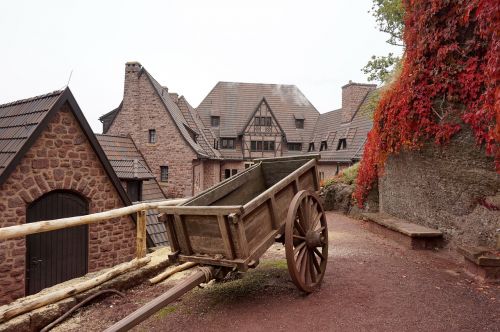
[449, 80]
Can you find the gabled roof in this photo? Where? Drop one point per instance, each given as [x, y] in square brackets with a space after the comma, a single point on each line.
[252, 115]
[235, 102]
[121, 150]
[330, 128]
[177, 116]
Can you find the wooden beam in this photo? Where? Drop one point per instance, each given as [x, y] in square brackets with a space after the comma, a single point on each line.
[32, 302]
[224, 232]
[201, 210]
[141, 234]
[51, 225]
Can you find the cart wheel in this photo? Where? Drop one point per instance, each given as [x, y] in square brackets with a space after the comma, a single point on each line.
[306, 241]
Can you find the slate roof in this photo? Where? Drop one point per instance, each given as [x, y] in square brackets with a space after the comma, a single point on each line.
[330, 128]
[18, 122]
[235, 102]
[123, 153]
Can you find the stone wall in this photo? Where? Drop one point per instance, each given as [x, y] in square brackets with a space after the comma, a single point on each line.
[61, 159]
[237, 165]
[454, 189]
[142, 110]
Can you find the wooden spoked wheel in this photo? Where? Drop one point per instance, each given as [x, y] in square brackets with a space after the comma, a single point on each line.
[306, 241]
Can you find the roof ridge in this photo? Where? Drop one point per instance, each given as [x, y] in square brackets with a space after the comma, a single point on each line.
[119, 136]
[31, 99]
[256, 83]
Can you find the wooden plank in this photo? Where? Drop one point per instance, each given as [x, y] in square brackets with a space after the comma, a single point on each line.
[257, 224]
[315, 156]
[201, 210]
[225, 236]
[242, 238]
[274, 212]
[263, 245]
[50, 225]
[182, 235]
[141, 235]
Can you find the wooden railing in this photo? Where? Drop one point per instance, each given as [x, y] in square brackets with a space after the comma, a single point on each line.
[51, 225]
[26, 304]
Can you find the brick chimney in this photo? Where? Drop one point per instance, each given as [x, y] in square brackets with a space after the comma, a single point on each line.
[353, 95]
[174, 96]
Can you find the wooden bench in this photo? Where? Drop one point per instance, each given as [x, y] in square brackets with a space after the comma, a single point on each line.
[411, 235]
[482, 263]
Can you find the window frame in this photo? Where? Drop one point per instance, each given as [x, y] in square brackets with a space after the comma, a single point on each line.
[299, 123]
[217, 118]
[152, 137]
[342, 144]
[164, 175]
[311, 147]
[323, 146]
[228, 146]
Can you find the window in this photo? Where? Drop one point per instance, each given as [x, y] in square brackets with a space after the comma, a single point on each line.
[134, 190]
[227, 143]
[215, 121]
[263, 121]
[342, 144]
[163, 173]
[248, 164]
[152, 136]
[311, 147]
[216, 144]
[262, 145]
[294, 146]
[323, 146]
[299, 123]
[229, 172]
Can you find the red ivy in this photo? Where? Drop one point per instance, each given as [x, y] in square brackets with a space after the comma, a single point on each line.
[450, 75]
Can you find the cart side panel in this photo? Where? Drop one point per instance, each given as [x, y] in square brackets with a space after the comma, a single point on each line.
[283, 199]
[258, 225]
[203, 233]
[307, 180]
[254, 185]
[275, 171]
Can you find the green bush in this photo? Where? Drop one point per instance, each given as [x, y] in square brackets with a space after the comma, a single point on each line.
[347, 176]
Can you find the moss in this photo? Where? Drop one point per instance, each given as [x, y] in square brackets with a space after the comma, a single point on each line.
[164, 312]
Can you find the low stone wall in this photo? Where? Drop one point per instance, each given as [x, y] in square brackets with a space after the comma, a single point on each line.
[453, 188]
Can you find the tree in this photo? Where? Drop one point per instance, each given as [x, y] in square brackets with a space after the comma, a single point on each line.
[389, 17]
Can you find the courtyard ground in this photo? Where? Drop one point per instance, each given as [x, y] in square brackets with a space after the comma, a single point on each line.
[371, 284]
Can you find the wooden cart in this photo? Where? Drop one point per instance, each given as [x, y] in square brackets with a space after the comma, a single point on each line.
[232, 224]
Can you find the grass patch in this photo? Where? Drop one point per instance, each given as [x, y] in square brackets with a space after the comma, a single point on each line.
[164, 312]
[269, 276]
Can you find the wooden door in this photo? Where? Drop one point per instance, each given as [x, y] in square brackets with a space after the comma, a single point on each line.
[56, 256]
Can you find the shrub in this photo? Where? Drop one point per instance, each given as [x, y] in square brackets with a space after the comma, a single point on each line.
[346, 176]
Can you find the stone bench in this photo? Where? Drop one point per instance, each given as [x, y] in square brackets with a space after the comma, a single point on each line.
[482, 263]
[408, 234]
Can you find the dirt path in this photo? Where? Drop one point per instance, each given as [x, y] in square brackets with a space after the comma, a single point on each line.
[371, 284]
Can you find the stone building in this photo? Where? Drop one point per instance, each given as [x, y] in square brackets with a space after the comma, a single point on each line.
[165, 129]
[190, 150]
[137, 180]
[51, 166]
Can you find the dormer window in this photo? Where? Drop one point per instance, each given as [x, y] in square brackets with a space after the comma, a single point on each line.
[299, 123]
[152, 136]
[342, 144]
[311, 147]
[323, 146]
[227, 143]
[215, 121]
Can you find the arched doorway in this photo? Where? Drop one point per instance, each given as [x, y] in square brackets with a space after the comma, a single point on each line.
[56, 256]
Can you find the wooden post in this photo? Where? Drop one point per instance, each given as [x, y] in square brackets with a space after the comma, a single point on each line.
[141, 234]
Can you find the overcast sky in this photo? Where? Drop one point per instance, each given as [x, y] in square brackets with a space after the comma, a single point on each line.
[186, 45]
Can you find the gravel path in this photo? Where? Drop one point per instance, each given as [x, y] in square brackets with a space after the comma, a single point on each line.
[371, 284]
